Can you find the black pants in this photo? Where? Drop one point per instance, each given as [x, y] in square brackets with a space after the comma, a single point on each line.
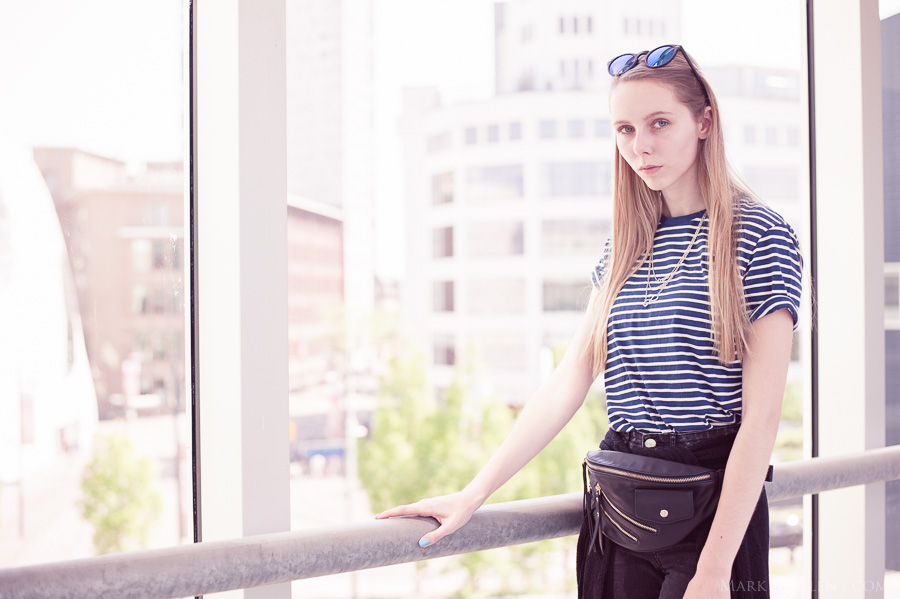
[620, 573]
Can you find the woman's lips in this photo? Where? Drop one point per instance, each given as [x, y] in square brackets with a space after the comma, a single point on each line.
[649, 170]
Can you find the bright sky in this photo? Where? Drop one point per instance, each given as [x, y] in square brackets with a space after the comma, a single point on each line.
[103, 75]
[106, 74]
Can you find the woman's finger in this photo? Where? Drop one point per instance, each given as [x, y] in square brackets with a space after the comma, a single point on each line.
[437, 534]
[413, 509]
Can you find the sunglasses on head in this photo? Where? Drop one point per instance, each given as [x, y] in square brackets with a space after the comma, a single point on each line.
[658, 57]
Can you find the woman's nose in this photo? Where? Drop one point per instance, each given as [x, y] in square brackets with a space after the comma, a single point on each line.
[642, 143]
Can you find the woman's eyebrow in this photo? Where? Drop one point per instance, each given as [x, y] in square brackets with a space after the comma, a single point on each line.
[653, 115]
[650, 116]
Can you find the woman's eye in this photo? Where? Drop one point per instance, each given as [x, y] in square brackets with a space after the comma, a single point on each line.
[626, 129]
[660, 123]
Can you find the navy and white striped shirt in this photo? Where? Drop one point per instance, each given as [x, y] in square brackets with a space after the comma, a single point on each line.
[662, 373]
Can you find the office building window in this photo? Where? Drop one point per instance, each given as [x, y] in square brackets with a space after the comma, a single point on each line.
[515, 131]
[502, 351]
[602, 128]
[442, 188]
[495, 295]
[771, 136]
[437, 143]
[141, 255]
[442, 242]
[773, 182]
[471, 135]
[442, 292]
[166, 254]
[575, 179]
[547, 129]
[749, 134]
[495, 239]
[501, 182]
[892, 291]
[792, 136]
[576, 128]
[139, 299]
[573, 237]
[156, 215]
[444, 350]
[565, 296]
[493, 133]
[147, 300]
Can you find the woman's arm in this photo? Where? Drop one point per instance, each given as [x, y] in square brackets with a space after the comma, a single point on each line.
[764, 375]
[548, 411]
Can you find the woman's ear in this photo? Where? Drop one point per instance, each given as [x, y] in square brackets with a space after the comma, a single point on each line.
[705, 122]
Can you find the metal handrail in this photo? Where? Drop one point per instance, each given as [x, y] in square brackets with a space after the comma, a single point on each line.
[247, 562]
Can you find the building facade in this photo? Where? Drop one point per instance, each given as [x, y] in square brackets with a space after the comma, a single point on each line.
[125, 239]
[508, 201]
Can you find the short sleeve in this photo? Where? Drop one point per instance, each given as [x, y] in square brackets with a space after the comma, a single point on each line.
[773, 277]
[600, 269]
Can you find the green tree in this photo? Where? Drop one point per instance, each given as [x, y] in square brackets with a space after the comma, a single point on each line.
[424, 447]
[120, 497]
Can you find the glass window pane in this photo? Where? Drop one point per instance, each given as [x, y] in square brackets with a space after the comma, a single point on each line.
[486, 240]
[575, 179]
[573, 237]
[500, 296]
[494, 182]
[483, 251]
[547, 129]
[442, 246]
[443, 296]
[562, 296]
[442, 188]
[95, 435]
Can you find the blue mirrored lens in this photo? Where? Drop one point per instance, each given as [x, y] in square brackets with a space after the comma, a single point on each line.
[661, 56]
[621, 64]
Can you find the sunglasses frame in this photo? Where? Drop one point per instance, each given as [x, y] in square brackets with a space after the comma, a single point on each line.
[637, 58]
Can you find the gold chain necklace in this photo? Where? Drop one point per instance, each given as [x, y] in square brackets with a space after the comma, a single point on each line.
[648, 299]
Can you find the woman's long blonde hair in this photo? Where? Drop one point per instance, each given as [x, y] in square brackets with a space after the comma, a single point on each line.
[637, 210]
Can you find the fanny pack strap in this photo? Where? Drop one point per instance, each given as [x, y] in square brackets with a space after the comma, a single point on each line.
[595, 535]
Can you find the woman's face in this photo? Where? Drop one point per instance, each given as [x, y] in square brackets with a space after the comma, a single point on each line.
[659, 137]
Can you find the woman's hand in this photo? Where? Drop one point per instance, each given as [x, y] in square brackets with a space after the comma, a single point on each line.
[708, 586]
[451, 511]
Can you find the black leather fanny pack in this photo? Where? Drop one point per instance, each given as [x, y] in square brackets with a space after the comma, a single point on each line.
[645, 503]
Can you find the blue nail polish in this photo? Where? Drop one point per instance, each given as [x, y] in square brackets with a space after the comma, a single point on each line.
[424, 543]
[376, 516]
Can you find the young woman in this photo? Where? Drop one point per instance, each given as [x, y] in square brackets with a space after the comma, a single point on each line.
[695, 300]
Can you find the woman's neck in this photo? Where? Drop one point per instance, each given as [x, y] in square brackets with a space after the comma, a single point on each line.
[679, 205]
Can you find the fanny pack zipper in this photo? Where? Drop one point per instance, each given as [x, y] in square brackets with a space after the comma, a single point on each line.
[619, 526]
[623, 514]
[650, 478]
